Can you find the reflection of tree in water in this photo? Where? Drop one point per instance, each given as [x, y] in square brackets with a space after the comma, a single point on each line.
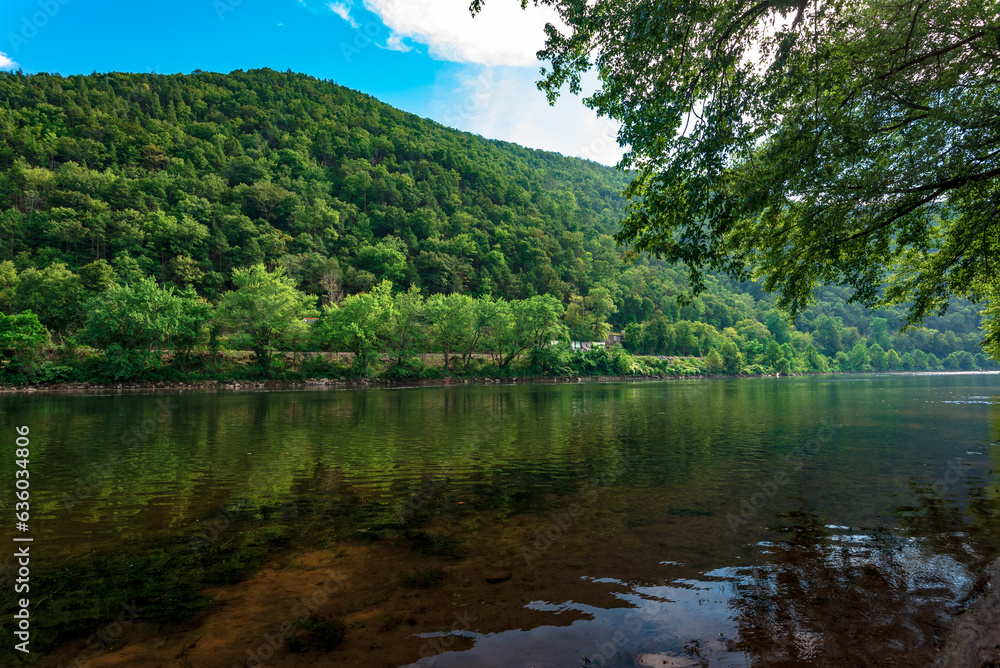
[968, 528]
[958, 513]
[835, 598]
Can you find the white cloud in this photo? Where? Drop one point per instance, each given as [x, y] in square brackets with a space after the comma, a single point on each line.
[343, 10]
[6, 62]
[395, 43]
[503, 103]
[502, 34]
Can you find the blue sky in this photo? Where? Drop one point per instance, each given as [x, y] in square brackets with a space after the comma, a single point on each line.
[428, 57]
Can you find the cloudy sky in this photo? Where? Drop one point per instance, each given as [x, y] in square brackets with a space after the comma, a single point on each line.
[428, 57]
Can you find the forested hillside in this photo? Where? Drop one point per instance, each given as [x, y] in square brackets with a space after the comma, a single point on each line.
[109, 180]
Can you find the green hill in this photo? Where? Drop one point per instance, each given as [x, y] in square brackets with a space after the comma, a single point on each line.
[185, 178]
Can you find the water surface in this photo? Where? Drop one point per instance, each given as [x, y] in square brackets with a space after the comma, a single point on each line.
[824, 520]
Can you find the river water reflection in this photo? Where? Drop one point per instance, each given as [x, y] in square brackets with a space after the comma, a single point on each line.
[822, 520]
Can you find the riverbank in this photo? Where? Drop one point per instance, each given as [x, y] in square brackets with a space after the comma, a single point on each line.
[278, 385]
[332, 383]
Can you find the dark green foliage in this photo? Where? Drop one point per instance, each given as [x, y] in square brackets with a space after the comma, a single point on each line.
[133, 323]
[960, 361]
[297, 644]
[208, 173]
[805, 143]
[124, 196]
[265, 311]
[21, 337]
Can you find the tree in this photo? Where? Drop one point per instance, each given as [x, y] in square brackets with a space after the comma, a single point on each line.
[660, 334]
[576, 319]
[55, 294]
[732, 358]
[789, 362]
[827, 336]
[524, 324]
[194, 324]
[878, 331]
[600, 306]
[586, 317]
[816, 361]
[488, 315]
[879, 357]
[773, 354]
[8, 285]
[494, 324]
[139, 320]
[265, 310]
[331, 280]
[777, 326]
[451, 321]
[360, 324]
[537, 321]
[406, 330]
[858, 359]
[96, 276]
[385, 260]
[805, 143]
[635, 339]
[714, 362]
[21, 336]
[960, 360]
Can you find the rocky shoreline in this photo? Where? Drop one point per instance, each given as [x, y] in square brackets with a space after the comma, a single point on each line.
[385, 383]
[328, 383]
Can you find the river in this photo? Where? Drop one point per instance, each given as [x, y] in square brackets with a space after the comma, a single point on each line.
[832, 520]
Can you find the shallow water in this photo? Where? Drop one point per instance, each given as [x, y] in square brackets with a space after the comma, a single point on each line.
[823, 520]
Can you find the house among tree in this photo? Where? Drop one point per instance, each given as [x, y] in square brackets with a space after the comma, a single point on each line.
[612, 339]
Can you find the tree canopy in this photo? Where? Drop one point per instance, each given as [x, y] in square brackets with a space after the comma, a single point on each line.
[265, 310]
[121, 194]
[804, 142]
